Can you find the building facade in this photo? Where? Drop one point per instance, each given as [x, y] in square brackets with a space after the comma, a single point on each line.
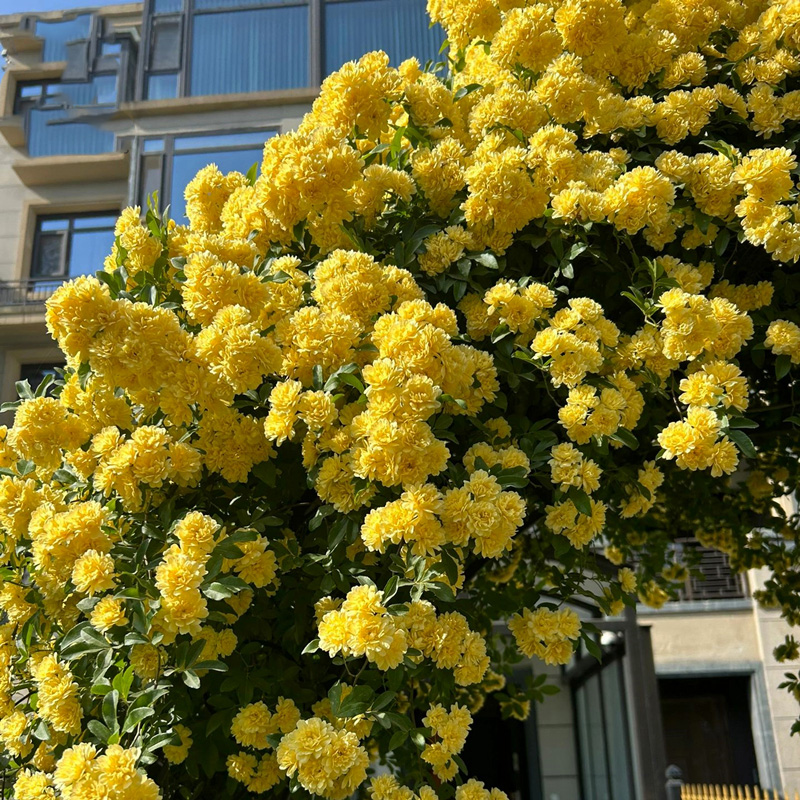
[101, 108]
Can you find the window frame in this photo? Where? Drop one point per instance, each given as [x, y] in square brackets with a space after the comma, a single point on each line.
[316, 39]
[66, 235]
[166, 155]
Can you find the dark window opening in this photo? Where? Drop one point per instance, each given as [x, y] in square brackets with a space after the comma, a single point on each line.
[36, 373]
[708, 730]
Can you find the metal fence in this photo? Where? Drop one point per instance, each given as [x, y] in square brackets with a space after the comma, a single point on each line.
[707, 792]
[16, 295]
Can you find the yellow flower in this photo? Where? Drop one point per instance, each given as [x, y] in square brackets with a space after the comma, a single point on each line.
[108, 613]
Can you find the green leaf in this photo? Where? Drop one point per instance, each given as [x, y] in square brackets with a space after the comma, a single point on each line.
[123, 681]
[442, 591]
[465, 90]
[593, 647]
[488, 260]
[218, 591]
[742, 422]
[160, 739]
[211, 666]
[625, 437]
[110, 702]
[357, 702]
[99, 730]
[135, 716]
[581, 501]
[190, 679]
[397, 740]
[24, 390]
[743, 442]
[782, 366]
[252, 174]
[311, 647]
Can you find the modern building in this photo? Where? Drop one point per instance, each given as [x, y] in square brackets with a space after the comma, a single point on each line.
[100, 108]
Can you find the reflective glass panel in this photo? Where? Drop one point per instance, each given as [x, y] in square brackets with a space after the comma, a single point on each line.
[110, 49]
[74, 138]
[253, 138]
[162, 87]
[88, 249]
[611, 679]
[249, 51]
[53, 224]
[153, 145]
[186, 165]
[105, 89]
[57, 34]
[591, 735]
[93, 223]
[399, 27]
[205, 5]
[166, 6]
[30, 91]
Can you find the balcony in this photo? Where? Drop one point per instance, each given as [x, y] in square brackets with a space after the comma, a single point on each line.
[19, 297]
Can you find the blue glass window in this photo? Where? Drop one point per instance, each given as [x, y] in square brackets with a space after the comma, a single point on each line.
[163, 86]
[249, 51]
[166, 6]
[48, 138]
[71, 245]
[56, 35]
[215, 5]
[399, 27]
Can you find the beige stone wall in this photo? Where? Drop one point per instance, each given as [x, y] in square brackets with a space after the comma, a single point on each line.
[680, 637]
[784, 709]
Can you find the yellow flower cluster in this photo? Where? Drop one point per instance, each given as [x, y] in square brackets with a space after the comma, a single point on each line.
[649, 477]
[326, 762]
[180, 573]
[81, 773]
[449, 729]
[425, 519]
[447, 640]
[361, 626]
[696, 443]
[569, 468]
[254, 723]
[545, 633]
[783, 338]
[58, 695]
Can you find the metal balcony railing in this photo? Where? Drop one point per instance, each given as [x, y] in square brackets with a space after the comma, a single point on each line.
[18, 295]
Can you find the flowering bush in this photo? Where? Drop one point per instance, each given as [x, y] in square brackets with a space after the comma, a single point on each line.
[462, 334]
